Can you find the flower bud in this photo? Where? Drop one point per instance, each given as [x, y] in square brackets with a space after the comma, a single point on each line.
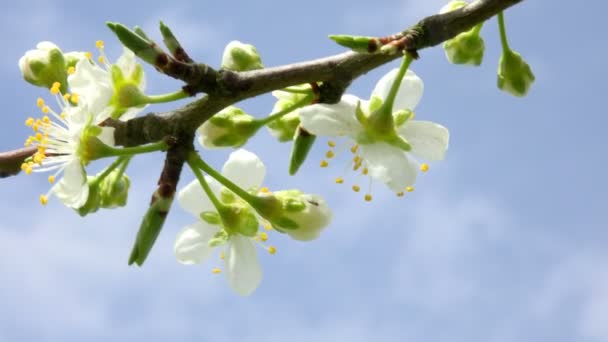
[301, 216]
[466, 48]
[309, 212]
[452, 5]
[514, 74]
[241, 57]
[44, 66]
[231, 127]
[114, 190]
[93, 202]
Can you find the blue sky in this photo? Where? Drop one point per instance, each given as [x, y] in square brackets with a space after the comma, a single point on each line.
[503, 241]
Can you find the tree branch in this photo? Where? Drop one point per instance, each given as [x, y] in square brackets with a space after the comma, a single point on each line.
[336, 72]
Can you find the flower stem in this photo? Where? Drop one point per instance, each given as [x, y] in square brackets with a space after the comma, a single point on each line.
[390, 99]
[170, 97]
[477, 28]
[193, 159]
[503, 32]
[130, 151]
[120, 161]
[303, 102]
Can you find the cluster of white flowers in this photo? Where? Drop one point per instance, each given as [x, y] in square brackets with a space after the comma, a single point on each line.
[66, 139]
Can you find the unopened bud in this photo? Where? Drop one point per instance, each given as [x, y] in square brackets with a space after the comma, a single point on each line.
[241, 57]
[514, 74]
[231, 127]
[44, 66]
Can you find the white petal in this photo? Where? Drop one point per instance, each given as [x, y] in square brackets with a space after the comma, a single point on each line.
[132, 112]
[409, 93]
[242, 266]
[107, 135]
[245, 169]
[194, 200]
[72, 189]
[332, 120]
[428, 139]
[127, 63]
[192, 243]
[93, 84]
[389, 165]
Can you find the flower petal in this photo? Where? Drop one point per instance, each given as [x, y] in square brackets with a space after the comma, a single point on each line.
[332, 120]
[93, 83]
[409, 93]
[73, 188]
[192, 243]
[245, 169]
[127, 63]
[428, 139]
[107, 136]
[243, 268]
[389, 165]
[194, 200]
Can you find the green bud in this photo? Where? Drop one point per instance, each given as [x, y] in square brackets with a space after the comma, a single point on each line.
[141, 46]
[114, 190]
[360, 44]
[241, 57]
[93, 202]
[453, 5]
[302, 143]
[465, 48]
[514, 74]
[150, 228]
[309, 212]
[44, 66]
[231, 127]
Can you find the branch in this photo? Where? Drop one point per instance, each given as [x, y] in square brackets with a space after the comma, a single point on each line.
[224, 88]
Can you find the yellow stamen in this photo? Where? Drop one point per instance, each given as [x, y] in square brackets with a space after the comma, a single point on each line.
[74, 98]
[357, 159]
[267, 226]
[46, 119]
[99, 44]
[329, 154]
[324, 163]
[216, 271]
[71, 70]
[101, 60]
[222, 255]
[88, 55]
[66, 97]
[28, 141]
[339, 180]
[409, 188]
[62, 115]
[39, 102]
[272, 250]
[331, 143]
[365, 171]
[354, 148]
[51, 179]
[357, 166]
[264, 190]
[29, 122]
[45, 109]
[44, 199]
[38, 136]
[368, 198]
[263, 236]
[400, 194]
[356, 188]
[424, 167]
